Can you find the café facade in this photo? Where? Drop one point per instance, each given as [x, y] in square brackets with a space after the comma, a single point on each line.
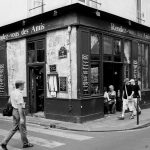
[67, 56]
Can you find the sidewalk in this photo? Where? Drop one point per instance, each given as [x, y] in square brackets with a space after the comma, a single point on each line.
[106, 124]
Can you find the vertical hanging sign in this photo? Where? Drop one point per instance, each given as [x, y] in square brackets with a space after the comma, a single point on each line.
[2, 80]
[135, 69]
[85, 74]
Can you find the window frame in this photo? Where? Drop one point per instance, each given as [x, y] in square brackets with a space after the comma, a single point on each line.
[35, 41]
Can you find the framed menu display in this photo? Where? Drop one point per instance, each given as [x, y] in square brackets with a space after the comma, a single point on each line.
[63, 84]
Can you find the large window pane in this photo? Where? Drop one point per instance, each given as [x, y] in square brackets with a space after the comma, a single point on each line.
[95, 84]
[146, 65]
[31, 56]
[40, 55]
[143, 64]
[108, 49]
[117, 50]
[95, 47]
[31, 46]
[139, 53]
[40, 45]
[127, 52]
[36, 51]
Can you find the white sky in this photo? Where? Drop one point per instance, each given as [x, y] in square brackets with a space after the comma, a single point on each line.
[12, 10]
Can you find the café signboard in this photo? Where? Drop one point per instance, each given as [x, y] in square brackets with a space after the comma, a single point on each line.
[124, 30]
[23, 32]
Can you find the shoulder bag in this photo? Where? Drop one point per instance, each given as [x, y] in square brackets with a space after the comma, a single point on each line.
[7, 111]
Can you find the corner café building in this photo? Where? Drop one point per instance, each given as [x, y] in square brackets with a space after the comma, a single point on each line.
[67, 56]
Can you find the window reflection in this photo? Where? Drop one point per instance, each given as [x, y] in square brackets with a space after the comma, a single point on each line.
[35, 51]
[143, 65]
[127, 52]
[95, 47]
[117, 50]
[95, 78]
[108, 48]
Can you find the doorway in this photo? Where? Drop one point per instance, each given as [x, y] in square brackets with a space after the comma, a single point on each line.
[36, 89]
[112, 75]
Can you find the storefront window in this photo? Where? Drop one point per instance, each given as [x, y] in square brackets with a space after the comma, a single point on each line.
[117, 50]
[143, 65]
[127, 58]
[108, 42]
[95, 78]
[95, 44]
[95, 64]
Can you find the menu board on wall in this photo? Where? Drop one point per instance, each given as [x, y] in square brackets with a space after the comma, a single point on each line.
[85, 74]
[2, 80]
[63, 84]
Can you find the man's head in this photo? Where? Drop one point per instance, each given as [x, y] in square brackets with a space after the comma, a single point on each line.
[19, 84]
[132, 81]
[111, 88]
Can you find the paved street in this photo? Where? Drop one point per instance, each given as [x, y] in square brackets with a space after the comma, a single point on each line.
[45, 139]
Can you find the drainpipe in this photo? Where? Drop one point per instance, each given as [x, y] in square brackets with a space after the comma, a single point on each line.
[139, 11]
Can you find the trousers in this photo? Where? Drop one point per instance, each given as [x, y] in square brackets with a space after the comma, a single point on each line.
[17, 127]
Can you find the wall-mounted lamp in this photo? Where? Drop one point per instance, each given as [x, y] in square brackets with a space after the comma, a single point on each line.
[69, 29]
[129, 22]
[98, 13]
[23, 23]
[55, 13]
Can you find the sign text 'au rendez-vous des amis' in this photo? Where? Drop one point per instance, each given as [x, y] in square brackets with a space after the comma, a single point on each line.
[23, 32]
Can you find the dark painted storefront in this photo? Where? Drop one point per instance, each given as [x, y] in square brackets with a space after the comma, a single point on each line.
[69, 55]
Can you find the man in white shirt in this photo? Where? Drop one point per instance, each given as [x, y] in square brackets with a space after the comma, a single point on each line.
[19, 117]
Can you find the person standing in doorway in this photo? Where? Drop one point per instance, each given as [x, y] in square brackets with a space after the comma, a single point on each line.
[19, 118]
[127, 99]
[137, 94]
[112, 99]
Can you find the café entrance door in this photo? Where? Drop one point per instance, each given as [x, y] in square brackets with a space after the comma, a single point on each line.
[36, 89]
[112, 75]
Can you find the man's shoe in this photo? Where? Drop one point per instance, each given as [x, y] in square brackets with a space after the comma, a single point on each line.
[28, 145]
[121, 118]
[4, 147]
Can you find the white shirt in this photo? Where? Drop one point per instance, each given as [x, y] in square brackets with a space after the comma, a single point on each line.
[16, 98]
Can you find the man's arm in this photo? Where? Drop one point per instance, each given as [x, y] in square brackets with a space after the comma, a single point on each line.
[132, 94]
[122, 94]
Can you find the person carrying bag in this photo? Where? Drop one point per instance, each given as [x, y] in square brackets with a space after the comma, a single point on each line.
[8, 110]
[127, 97]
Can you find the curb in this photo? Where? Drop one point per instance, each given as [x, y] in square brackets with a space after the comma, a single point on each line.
[55, 126]
[113, 130]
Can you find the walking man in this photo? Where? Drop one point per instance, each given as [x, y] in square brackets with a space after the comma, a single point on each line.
[127, 99]
[137, 94]
[19, 118]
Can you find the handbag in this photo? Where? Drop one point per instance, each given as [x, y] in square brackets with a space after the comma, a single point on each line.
[8, 110]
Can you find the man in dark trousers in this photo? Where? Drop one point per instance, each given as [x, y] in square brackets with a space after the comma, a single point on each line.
[19, 118]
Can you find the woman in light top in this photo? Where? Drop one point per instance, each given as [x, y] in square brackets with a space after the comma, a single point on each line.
[112, 99]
